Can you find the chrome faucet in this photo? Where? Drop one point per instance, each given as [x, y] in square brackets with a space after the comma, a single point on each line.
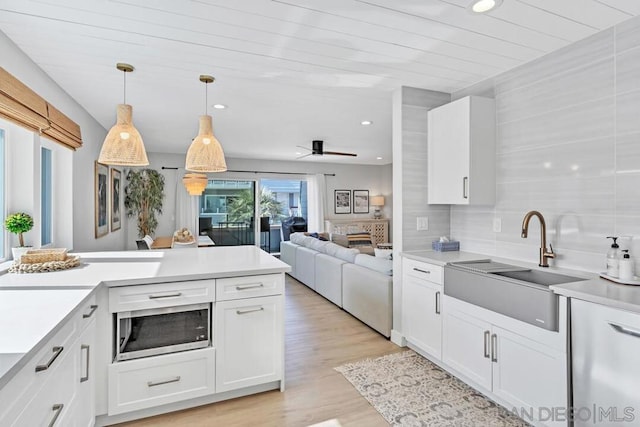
[544, 255]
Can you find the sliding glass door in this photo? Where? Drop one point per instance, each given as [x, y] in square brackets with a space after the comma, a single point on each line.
[227, 209]
[280, 201]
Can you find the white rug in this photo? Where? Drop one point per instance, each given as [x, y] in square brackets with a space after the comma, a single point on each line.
[409, 390]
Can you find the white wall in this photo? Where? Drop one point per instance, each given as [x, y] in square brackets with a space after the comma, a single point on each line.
[567, 145]
[23, 68]
[376, 179]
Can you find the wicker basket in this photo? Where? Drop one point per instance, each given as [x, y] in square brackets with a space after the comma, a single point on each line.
[38, 256]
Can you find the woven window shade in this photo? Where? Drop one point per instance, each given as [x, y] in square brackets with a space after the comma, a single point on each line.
[23, 106]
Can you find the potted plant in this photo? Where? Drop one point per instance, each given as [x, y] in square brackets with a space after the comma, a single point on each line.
[19, 223]
[143, 198]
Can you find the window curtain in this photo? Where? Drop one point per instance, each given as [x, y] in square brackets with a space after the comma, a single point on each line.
[186, 209]
[317, 202]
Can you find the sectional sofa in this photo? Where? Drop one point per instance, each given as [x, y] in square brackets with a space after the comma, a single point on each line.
[360, 284]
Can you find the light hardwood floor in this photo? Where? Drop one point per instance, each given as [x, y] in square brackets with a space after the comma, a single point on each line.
[318, 337]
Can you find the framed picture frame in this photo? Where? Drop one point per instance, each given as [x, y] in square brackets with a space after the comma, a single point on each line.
[360, 201]
[342, 201]
[116, 187]
[101, 191]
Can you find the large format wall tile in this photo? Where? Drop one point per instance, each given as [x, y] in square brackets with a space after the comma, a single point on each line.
[628, 34]
[628, 70]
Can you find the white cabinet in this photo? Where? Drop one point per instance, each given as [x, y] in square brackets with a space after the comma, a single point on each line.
[461, 152]
[249, 337]
[422, 306]
[523, 373]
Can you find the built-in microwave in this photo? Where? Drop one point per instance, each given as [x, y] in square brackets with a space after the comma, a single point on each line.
[150, 332]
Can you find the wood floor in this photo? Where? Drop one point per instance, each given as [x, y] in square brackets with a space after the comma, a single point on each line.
[318, 337]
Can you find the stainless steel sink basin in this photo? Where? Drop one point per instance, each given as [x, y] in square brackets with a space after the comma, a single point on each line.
[539, 277]
[514, 291]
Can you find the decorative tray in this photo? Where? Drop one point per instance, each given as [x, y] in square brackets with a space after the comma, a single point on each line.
[45, 267]
[635, 281]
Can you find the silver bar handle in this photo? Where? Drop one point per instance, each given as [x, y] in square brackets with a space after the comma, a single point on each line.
[93, 308]
[245, 287]
[465, 187]
[494, 348]
[56, 352]
[421, 270]
[438, 302]
[177, 294]
[252, 310]
[625, 330]
[88, 348]
[57, 409]
[486, 344]
[157, 383]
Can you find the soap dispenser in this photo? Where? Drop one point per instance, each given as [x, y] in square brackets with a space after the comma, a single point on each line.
[613, 260]
[626, 266]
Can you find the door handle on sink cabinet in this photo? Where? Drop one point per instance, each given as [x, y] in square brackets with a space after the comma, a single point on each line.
[494, 348]
[625, 330]
[486, 344]
[438, 302]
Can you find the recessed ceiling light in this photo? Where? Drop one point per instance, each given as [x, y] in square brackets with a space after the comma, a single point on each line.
[366, 122]
[483, 6]
[219, 106]
[378, 158]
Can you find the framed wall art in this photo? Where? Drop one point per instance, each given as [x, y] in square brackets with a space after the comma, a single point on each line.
[116, 186]
[101, 191]
[360, 201]
[342, 201]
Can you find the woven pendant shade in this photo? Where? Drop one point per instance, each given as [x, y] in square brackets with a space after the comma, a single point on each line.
[205, 152]
[195, 183]
[123, 145]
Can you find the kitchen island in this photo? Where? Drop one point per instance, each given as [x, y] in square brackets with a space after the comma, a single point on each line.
[240, 287]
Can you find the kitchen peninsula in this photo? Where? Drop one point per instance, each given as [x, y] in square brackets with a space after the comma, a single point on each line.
[76, 344]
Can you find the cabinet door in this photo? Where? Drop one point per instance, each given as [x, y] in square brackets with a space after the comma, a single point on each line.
[249, 341]
[85, 347]
[422, 321]
[448, 153]
[528, 374]
[466, 346]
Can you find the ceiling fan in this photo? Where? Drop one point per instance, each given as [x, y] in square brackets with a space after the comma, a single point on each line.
[317, 150]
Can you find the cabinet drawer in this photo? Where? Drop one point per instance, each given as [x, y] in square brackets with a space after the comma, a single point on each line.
[55, 397]
[249, 286]
[129, 298]
[423, 270]
[159, 380]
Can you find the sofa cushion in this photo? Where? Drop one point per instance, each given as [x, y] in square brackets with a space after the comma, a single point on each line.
[331, 249]
[317, 245]
[297, 238]
[346, 254]
[381, 265]
[383, 253]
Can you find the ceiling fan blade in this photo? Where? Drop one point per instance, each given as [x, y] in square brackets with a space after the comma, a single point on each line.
[306, 148]
[337, 153]
[303, 156]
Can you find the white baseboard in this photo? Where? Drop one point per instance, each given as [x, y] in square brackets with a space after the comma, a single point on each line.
[397, 338]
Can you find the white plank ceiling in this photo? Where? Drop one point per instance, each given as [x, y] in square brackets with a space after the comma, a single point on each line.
[290, 71]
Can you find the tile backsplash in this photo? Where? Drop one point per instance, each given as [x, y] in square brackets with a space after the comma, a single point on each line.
[568, 145]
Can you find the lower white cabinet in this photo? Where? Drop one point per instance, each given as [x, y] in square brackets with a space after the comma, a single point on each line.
[249, 339]
[527, 374]
[422, 306]
[152, 381]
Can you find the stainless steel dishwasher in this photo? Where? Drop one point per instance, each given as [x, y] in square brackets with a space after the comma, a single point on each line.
[606, 365]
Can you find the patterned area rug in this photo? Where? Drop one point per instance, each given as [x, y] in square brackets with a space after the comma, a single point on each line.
[409, 390]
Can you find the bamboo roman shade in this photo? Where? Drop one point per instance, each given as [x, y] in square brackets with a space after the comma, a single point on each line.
[21, 105]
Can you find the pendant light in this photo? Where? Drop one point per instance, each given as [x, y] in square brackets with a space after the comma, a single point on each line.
[195, 183]
[123, 145]
[205, 152]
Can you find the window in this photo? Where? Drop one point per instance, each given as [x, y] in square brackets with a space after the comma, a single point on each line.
[46, 199]
[283, 198]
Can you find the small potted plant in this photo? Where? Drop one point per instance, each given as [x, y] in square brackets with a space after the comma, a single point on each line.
[19, 223]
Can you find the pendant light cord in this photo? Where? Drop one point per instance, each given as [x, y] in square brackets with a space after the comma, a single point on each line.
[206, 98]
[124, 78]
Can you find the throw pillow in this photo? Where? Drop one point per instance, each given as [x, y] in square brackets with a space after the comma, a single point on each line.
[383, 253]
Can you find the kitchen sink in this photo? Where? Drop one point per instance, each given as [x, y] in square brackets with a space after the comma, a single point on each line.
[517, 292]
[539, 277]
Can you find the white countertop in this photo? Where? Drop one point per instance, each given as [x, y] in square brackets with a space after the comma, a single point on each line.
[595, 289]
[123, 268]
[33, 305]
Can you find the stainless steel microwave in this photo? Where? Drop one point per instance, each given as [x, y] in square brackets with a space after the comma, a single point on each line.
[150, 332]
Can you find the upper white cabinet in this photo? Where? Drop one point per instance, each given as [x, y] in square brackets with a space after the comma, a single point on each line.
[461, 151]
